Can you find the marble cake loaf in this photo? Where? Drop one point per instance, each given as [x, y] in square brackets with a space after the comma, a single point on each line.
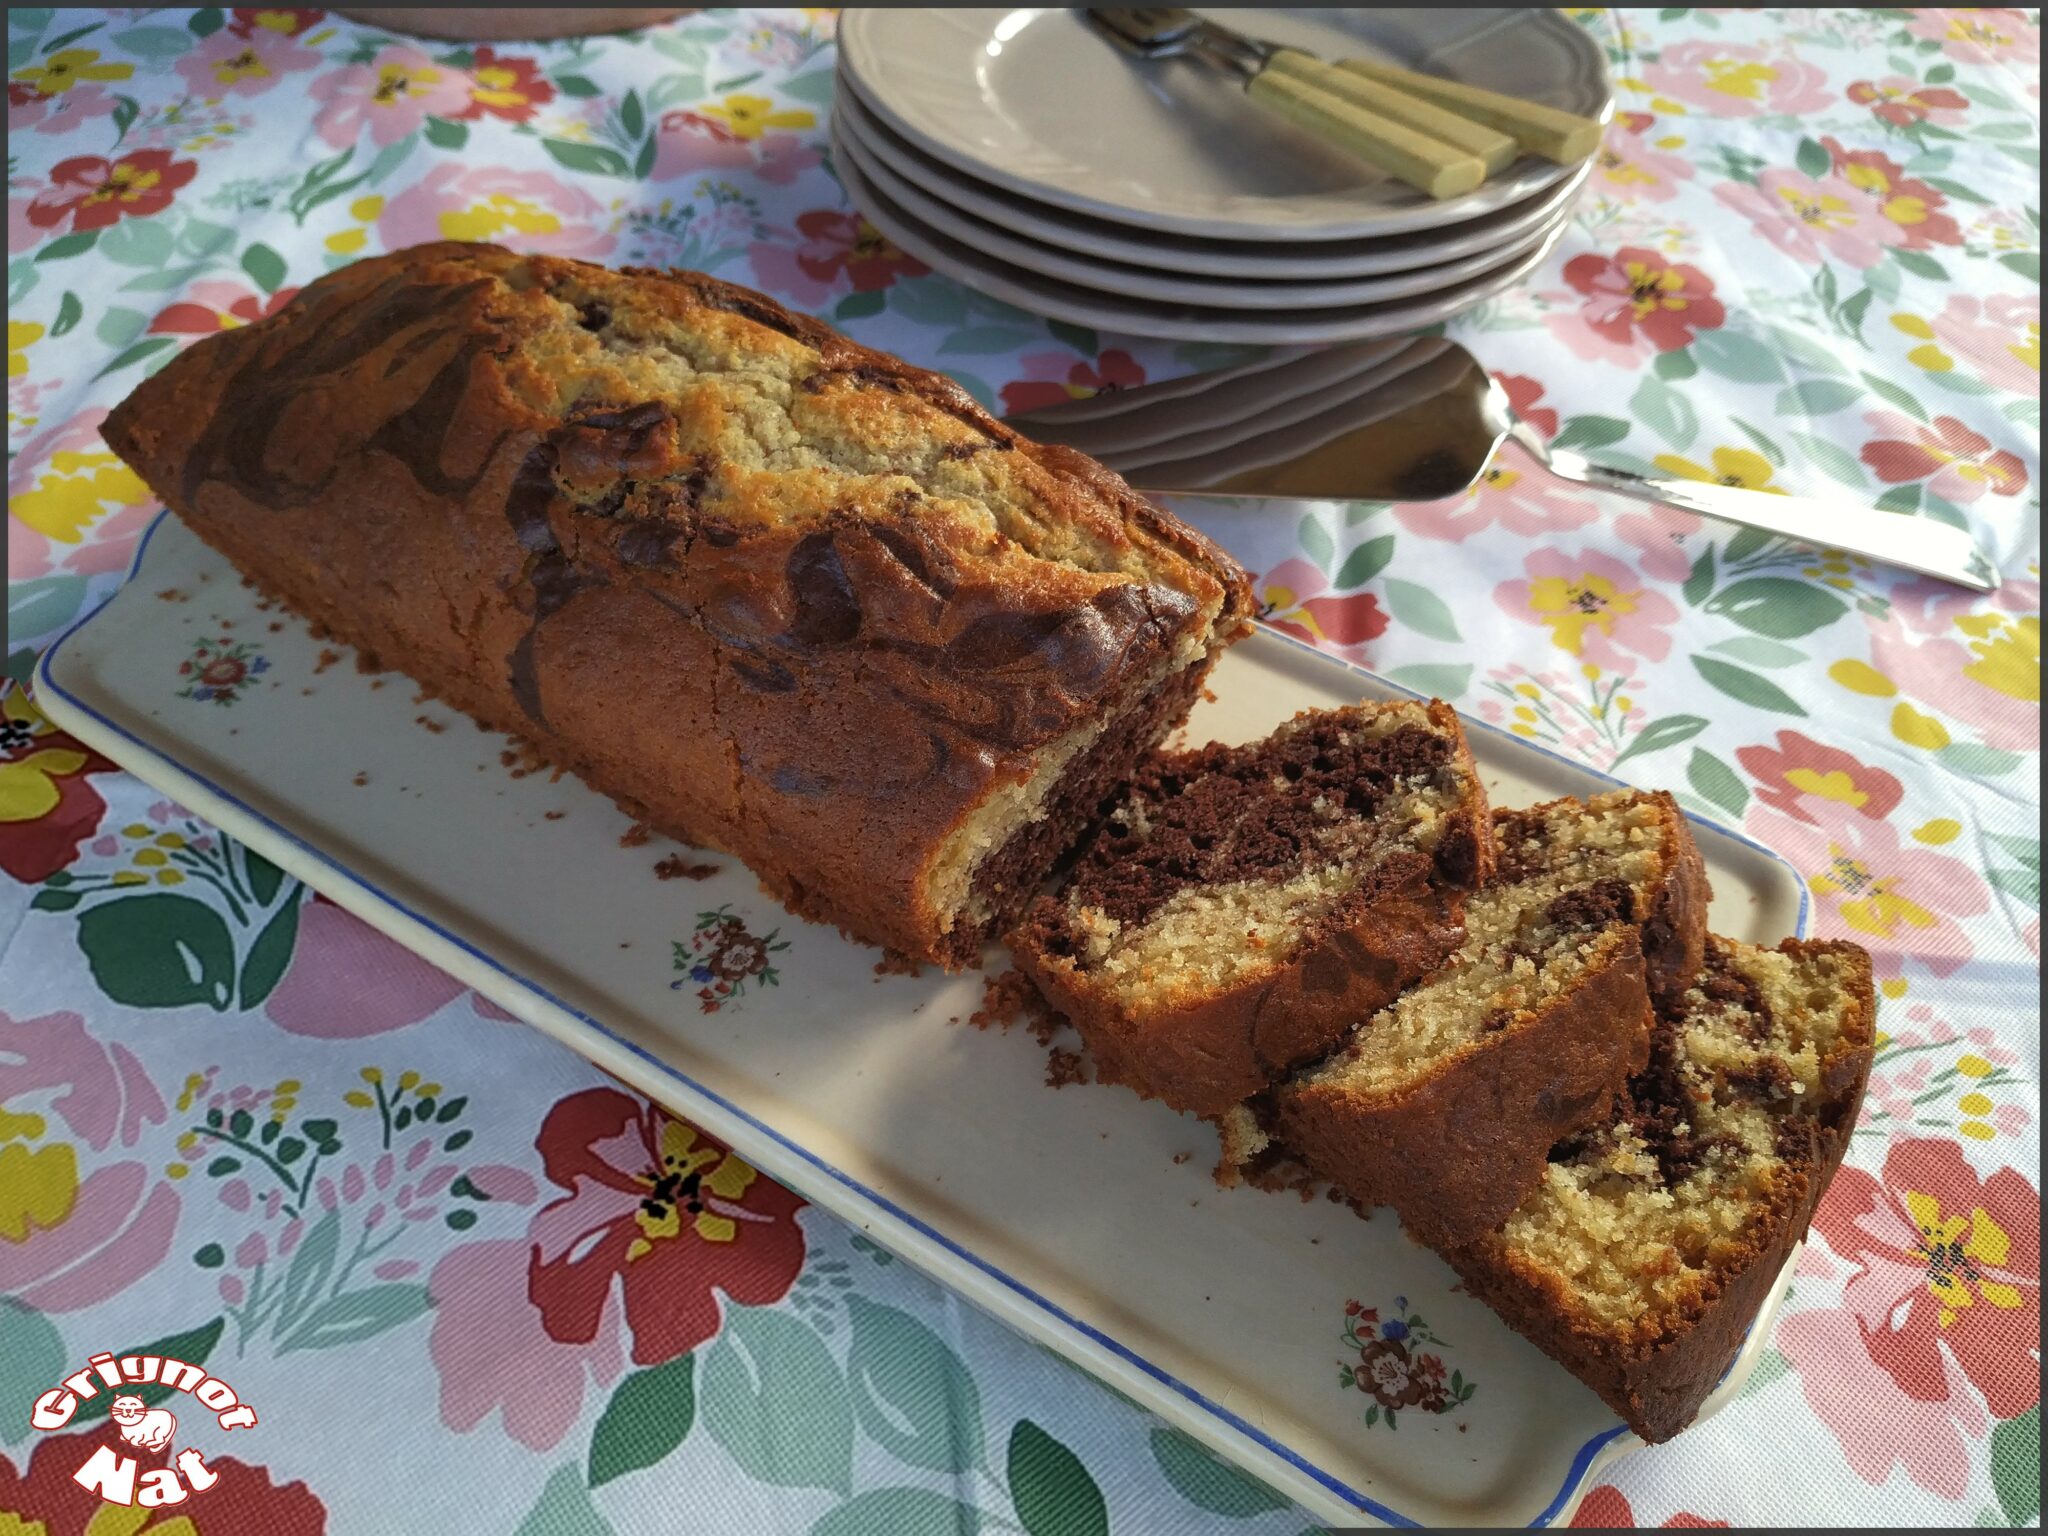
[777, 593]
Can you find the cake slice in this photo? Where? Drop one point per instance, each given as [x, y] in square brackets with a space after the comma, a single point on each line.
[1640, 1260]
[1445, 1103]
[1242, 907]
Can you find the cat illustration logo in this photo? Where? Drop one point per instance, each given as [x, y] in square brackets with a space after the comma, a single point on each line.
[114, 1470]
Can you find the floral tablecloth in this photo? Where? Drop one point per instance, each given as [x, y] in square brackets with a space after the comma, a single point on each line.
[435, 1250]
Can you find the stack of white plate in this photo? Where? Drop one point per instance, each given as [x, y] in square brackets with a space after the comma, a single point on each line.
[1019, 152]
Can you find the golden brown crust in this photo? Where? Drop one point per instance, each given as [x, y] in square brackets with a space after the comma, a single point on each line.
[1675, 928]
[787, 595]
[1657, 1373]
[1455, 1153]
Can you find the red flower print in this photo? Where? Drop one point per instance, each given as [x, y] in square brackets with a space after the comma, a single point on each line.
[1799, 766]
[660, 1211]
[1606, 1508]
[1294, 597]
[47, 803]
[1957, 462]
[510, 88]
[1635, 297]
[1902, 102]
[830, 245]
[1945, 1262]
[92, 193]
[284, 22]
[1523, 392]
[1910, 209]
[245, 1502]
[1946, 1295]
[1054, 378]
[217, 306]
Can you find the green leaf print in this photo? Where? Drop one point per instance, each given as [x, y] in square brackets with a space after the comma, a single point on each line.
[1732, 355]
[1206, 1482]
[34, 1352]
[1365, 562]
[357, 1315]
[154, 42]
[1746, 687]
[311, 1268]
[137, 243]
[1758, 652]
[1316, 542]
[1053, 1492]
[1659, 734]
[901, 1512]
[159, 951]
[591, 159]
[1777, 606]
[74, 244]
[564, 1509]
[193, 1346]
[1812, 158]
[2016, 1466]
[1817, 397]
[1701, 580]
[264, 966]
[1437, 682]
[1715, 782]
[69, 312]
[648, 1417]
[1590, 432]
[913, 1395]
[1666, 412]
[775, 1399]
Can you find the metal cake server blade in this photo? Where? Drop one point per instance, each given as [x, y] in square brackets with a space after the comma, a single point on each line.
[1419, 420]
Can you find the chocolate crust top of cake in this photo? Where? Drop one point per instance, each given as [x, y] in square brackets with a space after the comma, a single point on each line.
[893, 623]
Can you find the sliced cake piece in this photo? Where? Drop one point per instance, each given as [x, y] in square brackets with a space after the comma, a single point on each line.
[1640, 1260]
[1242, 907]
[1445, 1103]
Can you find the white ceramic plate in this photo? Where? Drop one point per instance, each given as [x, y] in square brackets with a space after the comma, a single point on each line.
[1085, 1217]
[1229, 292]
[1046, 225]
[1035, 100]
[1179, 321]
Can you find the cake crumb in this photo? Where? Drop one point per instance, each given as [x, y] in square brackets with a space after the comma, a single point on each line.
[171, 595]
[276, 626]
[894, 964]
[1179, 1158]
[430, 723]
[227, 623]
[360, 780]
[676, 867]
[376, 682]
[328, 657]
[306, 693]
[366, 661]
[1208, 694]
[548, 815]
[1063, 1067]
[633, 836]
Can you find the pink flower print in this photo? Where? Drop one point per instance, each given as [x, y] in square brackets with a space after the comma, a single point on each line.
[29, 108]
[784, 157]
[1738, 80]
[1523, 392]
[392, 95]
[1636, 303]
[1294, 597]
[346, 980]
[1596, 608]
[830, 246]
[1629, 168]
[1516, 492]
[1054, 378]
[2001, 335]
[1957, 463]
[493, 1353]
[227, 65]
[1898, 902]
[689, 143]
[1910, 208]
[1811, 218]
[532, 211]
[1984, 669]
[2006, 38]
[1660, 533]
[1903, 101]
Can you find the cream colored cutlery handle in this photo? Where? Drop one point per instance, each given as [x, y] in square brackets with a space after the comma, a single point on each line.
[1546, 131]
[1429, 165]
[1496, 149]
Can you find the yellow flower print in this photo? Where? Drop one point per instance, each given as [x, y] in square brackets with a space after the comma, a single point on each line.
[61, 71]
[1874, 905]
[395, 82]
[21, 335]
[245, 65]
[1928, 355]
[71, 496]
[680, 1186]
[495, 215]
[748, 117]
[364, 210]
[1975, 1236]
[2008, 653]
[1572, 605]
[1732, 466]
[37, 1188]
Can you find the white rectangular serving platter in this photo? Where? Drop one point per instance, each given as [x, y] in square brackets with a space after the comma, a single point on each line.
[1084, 1217]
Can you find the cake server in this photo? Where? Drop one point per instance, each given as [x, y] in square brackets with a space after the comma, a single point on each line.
[1419, 420]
